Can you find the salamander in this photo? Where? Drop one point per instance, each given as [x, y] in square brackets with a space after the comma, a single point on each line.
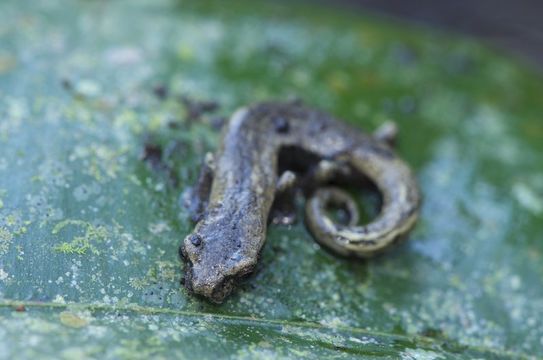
[240, 184]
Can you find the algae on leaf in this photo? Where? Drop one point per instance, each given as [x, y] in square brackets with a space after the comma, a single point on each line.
[99, 142]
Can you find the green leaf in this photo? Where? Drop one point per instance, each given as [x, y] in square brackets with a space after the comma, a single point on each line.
[95, 156]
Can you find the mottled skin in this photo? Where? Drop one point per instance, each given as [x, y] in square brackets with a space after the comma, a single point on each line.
[231, 230]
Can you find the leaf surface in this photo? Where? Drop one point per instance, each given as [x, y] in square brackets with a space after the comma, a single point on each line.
[100, 134]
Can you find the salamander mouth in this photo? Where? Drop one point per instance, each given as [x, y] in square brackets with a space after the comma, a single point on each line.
[222, 290]
[216, 292]
[187, 278]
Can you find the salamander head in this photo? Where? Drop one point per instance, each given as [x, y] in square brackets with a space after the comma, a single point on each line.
[215, 260]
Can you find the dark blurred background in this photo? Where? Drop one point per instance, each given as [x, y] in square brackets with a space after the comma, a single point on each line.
[514, 25]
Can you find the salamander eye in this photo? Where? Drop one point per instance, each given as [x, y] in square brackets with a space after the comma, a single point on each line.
[280, 124]
[185, 249]
[195, 239]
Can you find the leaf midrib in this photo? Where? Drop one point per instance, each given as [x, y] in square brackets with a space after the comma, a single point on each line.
[149, 310]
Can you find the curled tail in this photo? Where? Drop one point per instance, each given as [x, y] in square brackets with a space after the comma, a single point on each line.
[398, 214]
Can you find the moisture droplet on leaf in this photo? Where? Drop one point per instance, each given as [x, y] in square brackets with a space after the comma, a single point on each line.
[72, 320]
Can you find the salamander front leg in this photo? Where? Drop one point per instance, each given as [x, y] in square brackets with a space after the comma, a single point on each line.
[196, 198]
[328, 170]
[284, 206]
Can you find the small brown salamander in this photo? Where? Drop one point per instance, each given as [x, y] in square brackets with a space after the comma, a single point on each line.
[237, 188]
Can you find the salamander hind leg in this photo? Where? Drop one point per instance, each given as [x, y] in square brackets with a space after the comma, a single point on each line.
[387, 133]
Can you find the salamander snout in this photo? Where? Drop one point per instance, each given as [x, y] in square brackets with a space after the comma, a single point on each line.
[212, 268]
[211, 284]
